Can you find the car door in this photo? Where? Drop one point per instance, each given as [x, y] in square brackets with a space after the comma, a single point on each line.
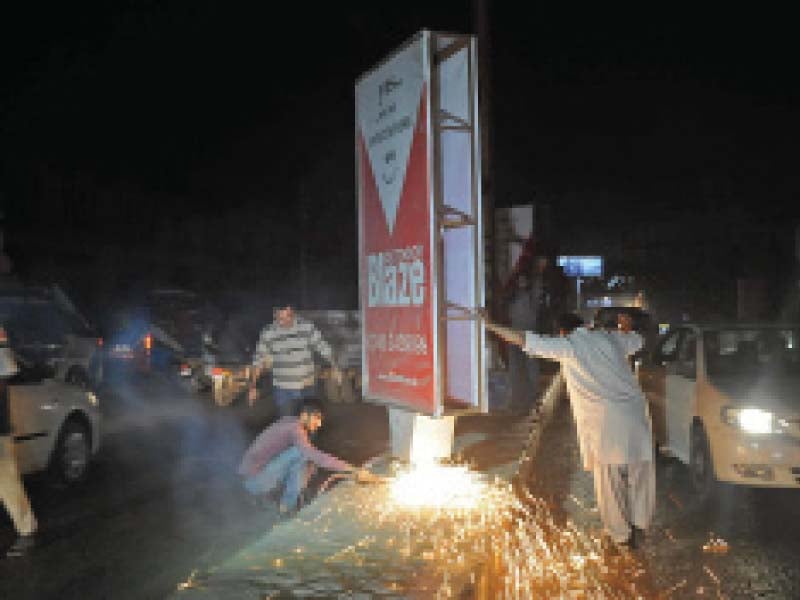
[35, 417]
[652, 379]
[680, 385]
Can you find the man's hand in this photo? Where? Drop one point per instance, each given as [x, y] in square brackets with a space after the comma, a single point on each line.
[366, 476]
[252, 394]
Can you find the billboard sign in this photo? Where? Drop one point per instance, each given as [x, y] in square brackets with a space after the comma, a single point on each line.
[397, 229]
[420, 231]
[581, 266]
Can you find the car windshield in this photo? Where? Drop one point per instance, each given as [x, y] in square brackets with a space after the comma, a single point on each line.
[752, 352]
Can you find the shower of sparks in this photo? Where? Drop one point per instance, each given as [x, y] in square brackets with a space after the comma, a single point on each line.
[437, 528]
[434, 531]
[438, 486]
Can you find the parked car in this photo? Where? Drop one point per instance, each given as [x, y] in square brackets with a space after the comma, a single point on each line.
[43, 324]
[725, 400]
[56, 424]
[180, 333]
[161, 329]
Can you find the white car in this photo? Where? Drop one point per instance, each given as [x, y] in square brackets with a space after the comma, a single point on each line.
[43, 322]
[56, 425]
[725, 400]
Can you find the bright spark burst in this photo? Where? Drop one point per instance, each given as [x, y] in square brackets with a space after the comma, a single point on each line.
[438, 486]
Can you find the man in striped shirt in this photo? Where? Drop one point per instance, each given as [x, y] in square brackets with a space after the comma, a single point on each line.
[287, 346]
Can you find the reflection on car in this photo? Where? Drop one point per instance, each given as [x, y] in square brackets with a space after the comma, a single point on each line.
[56, 425]
[725, 400]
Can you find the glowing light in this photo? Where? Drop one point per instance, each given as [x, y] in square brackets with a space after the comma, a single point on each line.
[755, 420]
[433, 485]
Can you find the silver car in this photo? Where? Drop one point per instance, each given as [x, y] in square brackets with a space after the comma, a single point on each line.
[725, 400]
[56, 425]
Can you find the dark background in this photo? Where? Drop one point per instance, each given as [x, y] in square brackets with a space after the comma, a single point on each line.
[210, 144]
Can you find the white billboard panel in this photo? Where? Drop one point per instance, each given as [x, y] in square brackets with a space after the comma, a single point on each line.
[459, 169]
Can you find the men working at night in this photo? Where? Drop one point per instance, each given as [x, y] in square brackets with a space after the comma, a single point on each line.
[287, 346]
[12, 494]
[613, 424]
[282, 455]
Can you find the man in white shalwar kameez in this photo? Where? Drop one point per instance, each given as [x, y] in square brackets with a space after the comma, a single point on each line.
[12, 493]
[611, 416]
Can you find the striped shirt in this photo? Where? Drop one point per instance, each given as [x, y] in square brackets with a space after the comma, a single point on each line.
[291, 350]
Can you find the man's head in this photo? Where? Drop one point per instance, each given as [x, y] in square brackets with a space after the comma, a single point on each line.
[311, 414]
[567, 323]
[624, 322]
[284, 316]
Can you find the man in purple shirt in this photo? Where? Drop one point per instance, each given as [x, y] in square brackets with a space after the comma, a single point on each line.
[282, 455]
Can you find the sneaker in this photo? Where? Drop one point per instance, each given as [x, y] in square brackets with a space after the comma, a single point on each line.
[637, 537]
[286, 511]
[21, 546]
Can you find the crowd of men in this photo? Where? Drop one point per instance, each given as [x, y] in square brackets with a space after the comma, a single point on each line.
[610, 411]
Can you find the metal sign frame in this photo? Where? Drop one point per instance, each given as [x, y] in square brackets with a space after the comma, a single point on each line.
[444, 216]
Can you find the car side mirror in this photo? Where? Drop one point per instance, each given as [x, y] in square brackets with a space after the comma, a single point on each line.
[642, 359]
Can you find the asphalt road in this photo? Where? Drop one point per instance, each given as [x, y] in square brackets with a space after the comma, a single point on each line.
[745, 544]
[162, 500]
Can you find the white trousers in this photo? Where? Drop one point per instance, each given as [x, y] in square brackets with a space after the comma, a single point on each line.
[625, 496]
[12, 494]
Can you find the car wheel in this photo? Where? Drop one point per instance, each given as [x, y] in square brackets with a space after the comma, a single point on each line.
[704, 482]
[70, 461]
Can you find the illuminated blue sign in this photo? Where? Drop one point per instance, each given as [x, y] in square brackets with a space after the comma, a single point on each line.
[581, 266]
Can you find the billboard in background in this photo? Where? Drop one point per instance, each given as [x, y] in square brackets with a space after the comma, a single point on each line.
[581, 266]
[397, 223]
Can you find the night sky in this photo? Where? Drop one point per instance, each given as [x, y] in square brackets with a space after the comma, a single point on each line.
[153, 133]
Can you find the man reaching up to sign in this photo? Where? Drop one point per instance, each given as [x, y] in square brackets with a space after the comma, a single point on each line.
[611, 416]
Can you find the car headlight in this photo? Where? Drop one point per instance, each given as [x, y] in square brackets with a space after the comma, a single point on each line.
[93, 399]
[751, 420]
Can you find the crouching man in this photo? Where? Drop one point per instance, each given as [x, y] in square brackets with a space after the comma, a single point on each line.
[283, 457]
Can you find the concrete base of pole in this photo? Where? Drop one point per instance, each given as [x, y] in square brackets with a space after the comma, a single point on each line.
[416, 437]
